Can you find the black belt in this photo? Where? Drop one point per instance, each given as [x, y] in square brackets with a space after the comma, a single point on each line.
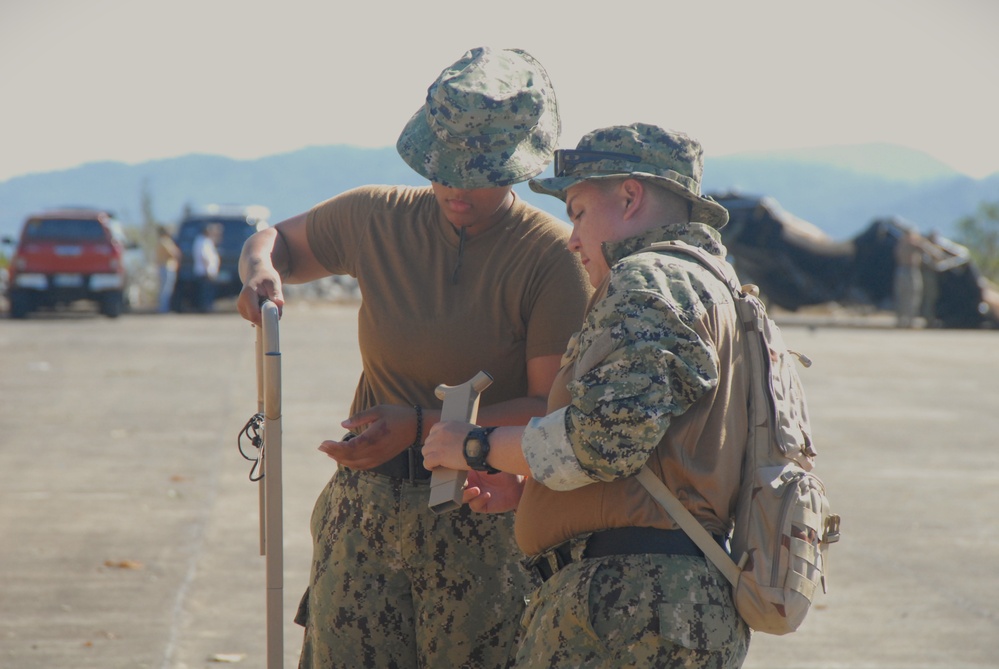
[619, 541]
[407, 466]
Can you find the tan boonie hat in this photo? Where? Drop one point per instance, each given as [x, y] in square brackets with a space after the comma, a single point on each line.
[670, 158]
[490, 119]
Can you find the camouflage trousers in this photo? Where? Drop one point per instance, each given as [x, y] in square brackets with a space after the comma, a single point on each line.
[634, 611]
[395, 585]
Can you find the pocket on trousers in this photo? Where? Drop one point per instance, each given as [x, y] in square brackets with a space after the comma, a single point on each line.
[699, 626]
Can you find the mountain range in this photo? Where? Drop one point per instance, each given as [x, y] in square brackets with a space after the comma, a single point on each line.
[838, 189]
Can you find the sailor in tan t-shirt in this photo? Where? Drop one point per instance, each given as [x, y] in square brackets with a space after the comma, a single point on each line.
[457, 277]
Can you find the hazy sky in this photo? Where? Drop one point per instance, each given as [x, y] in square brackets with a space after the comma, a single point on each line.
[133, 80]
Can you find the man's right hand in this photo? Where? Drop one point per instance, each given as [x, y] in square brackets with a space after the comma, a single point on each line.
[270, 254]
[264, 283]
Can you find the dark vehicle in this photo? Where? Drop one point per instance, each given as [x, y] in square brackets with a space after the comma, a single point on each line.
[67, 255]
[237, 223]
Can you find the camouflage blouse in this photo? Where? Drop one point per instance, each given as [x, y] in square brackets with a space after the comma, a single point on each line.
[639, 361]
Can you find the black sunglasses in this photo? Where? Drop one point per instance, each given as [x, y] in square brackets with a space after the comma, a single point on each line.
[567, 159]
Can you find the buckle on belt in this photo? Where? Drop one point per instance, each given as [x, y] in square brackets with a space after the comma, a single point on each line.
[548, 563]
[542, 565]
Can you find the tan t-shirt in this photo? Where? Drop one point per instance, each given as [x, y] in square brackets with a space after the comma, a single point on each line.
[517, 294]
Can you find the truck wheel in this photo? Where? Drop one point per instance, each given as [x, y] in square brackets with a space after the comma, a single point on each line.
[111, 304]
[21, 304]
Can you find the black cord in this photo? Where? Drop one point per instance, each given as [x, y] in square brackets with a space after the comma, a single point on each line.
[252, 431]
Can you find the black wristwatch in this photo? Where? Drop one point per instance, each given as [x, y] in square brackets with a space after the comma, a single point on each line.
[476, 450]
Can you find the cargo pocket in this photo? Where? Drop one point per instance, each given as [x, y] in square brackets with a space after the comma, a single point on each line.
[699, 626]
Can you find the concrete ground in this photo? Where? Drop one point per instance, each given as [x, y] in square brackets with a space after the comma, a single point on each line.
[128, 526]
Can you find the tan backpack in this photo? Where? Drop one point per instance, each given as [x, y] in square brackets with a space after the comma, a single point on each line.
[783, 524]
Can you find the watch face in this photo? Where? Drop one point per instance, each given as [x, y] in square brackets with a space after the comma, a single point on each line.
[473, 448]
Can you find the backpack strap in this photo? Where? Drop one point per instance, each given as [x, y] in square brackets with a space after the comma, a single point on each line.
[703, 257]
[652, 483]
[679, 513]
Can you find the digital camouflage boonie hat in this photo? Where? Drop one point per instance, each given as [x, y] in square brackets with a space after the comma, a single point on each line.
[672, 159]
[490, 119]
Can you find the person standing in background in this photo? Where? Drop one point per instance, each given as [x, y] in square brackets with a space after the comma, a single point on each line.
[167, 261]
[908, 278]
[206, 265]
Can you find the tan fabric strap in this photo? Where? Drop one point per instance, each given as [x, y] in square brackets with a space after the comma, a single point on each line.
[679, 513]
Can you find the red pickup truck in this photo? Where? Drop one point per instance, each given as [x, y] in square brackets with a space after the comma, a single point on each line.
[67, 255]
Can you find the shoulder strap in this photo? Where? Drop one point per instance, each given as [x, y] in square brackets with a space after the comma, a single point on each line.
[679, 513]
[703, 257]
[655, 486]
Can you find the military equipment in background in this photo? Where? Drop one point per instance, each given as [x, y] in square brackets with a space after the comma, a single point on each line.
[795, 264]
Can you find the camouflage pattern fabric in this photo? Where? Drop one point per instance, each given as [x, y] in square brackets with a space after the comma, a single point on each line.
[490, 119]
[670, 158]
[395, 585]
[634, 611]
[649, 307]
[639, 362]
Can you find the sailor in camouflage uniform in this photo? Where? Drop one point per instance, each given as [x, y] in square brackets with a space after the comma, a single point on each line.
[654, 377]
[457, 276]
